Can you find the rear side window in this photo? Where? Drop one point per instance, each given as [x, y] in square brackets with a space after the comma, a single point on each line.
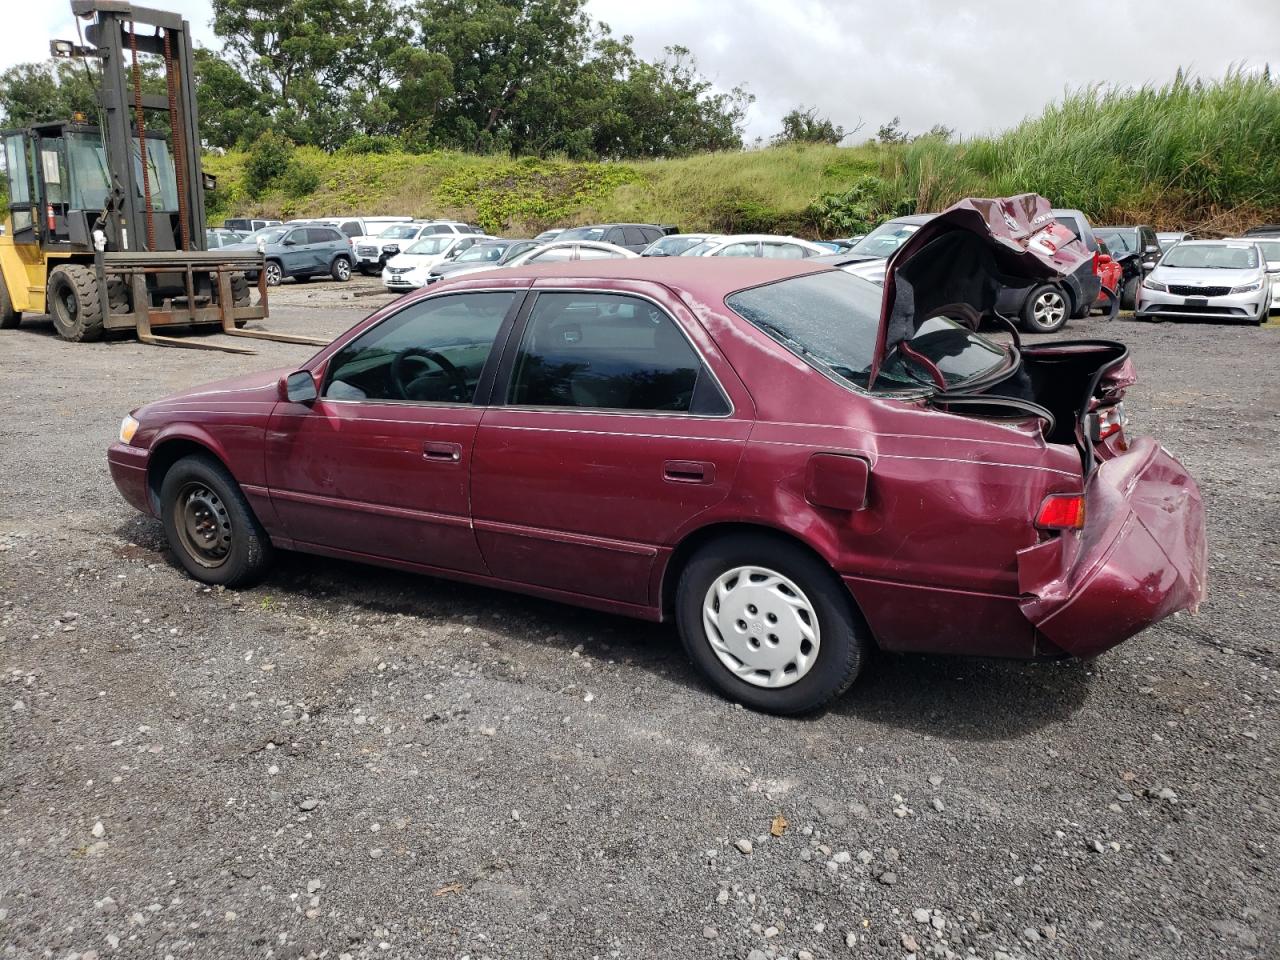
[609, 352]
[323, 235]
[784, 251]
[555, 255]
[431, 352]
[351, 229]
[738, 250]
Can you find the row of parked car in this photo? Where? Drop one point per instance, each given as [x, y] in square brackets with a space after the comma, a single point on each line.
[1159, 275]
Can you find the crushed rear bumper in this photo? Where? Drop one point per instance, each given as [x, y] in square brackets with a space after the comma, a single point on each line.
[1140, 558]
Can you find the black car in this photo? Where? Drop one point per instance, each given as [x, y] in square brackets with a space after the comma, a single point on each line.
[1136, 249]
[634, 236]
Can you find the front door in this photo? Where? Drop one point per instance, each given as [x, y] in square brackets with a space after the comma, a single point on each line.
[378, 465]
[610, 433]
[22, 203]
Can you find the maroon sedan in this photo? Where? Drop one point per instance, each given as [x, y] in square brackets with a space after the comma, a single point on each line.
[793, 464]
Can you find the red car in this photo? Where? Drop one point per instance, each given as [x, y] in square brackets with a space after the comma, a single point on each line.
[1110, 274]
[793, 464]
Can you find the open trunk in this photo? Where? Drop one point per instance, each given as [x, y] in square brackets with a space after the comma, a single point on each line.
[1133, 551]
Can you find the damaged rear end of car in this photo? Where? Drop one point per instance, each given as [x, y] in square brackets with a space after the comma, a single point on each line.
[1125, 550]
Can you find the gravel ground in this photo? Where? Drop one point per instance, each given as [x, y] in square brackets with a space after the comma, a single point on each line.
[350, 762]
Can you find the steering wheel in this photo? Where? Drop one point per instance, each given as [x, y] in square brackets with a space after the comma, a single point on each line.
[422, 357]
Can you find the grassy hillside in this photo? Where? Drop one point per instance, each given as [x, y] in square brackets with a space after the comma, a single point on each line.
[1190, 154]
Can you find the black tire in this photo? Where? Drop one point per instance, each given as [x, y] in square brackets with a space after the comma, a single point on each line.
[74, 303]
[365, 271]
[274, 272]
[843, 639]
[118, 296]
[1129, 293]
[341, 269]
[233, 530]
[9, 317]
[240, 291]
[1045, 310]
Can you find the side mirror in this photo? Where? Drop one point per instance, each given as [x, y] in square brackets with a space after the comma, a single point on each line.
[288, 242]
[299, 387]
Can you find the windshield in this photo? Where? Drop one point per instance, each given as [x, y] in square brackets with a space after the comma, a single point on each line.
[482, 253]
[1212, 256]
[831, 321]
[583, 233]
[431, 246]
[1119, 241]
[269, 234]
[1270, 249]
[673, 246]
[400, 231]
[884, 239]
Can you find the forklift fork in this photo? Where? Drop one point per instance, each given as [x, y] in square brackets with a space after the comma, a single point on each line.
[228, 324]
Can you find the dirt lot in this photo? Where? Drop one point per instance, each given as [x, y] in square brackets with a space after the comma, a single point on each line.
[352, 762]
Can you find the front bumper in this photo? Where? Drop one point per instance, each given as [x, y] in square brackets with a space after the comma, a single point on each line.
[1140, 558]
[128, 466]
[403, 281]
[1155, 305]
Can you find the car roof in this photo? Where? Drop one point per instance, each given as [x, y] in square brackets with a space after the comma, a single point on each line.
[710, 278]
[912, 218]
[745, 237]
[1235, 241]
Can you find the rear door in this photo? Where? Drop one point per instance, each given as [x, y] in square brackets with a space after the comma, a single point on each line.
[378, 465]
[609, 432]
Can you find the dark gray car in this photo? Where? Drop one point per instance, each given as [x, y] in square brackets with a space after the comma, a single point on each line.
[301, 252]
[633, 236]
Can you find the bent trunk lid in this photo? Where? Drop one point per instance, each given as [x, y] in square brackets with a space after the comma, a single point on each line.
[967, 254]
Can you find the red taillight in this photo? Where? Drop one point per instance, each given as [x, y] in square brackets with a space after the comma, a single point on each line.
[1061, 511]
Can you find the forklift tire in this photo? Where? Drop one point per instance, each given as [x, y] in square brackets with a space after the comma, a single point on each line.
[9, 317]
[118, 296]
[74, 303]
[239, 290]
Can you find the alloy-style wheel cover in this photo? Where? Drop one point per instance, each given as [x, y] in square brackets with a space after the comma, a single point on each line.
[761, 626]
[274, 275]
[203, 525]
[343, 269]
[1049, 309]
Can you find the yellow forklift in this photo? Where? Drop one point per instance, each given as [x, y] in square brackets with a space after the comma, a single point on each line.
[105, 234]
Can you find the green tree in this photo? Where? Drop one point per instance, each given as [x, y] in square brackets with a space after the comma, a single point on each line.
[803, 125]
[50, 90]
[233, 111]
[892, 132]
[322, 65]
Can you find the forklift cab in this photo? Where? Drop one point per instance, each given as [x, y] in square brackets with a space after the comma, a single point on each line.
[59, 186]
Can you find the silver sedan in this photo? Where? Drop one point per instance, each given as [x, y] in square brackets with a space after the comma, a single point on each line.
[1207, 279]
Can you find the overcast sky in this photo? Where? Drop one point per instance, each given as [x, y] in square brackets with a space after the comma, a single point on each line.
[974, 66]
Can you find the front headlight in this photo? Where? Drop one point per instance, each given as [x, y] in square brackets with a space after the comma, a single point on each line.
[1155, 285]
[128, 427]
[1248, 287]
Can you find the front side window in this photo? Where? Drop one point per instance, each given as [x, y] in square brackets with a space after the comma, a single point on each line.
[634, 236]
[554, 255]
[608, 351]
[431, 352]
[1270, 250]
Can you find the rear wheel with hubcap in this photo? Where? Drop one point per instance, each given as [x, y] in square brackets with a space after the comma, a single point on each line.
[1045, 309]
[769, 624]
[209, 524]
[74, 302]
[341, 270]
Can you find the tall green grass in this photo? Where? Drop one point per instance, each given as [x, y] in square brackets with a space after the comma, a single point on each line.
[1200, 154]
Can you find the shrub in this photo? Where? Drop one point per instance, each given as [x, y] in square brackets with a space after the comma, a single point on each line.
[268, 161]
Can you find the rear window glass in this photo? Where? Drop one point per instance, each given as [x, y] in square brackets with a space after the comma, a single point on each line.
[583, 233]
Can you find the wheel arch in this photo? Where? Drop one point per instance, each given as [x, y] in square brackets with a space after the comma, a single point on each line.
[695, 540]
[167, 451]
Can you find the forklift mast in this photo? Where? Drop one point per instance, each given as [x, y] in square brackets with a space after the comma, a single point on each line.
[119, 36]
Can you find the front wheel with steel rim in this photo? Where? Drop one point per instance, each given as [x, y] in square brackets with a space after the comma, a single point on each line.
[209, 524]
[1045, 310]
[769, 623]
[274, 274]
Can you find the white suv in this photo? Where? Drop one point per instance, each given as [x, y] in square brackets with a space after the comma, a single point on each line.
[372, 253]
